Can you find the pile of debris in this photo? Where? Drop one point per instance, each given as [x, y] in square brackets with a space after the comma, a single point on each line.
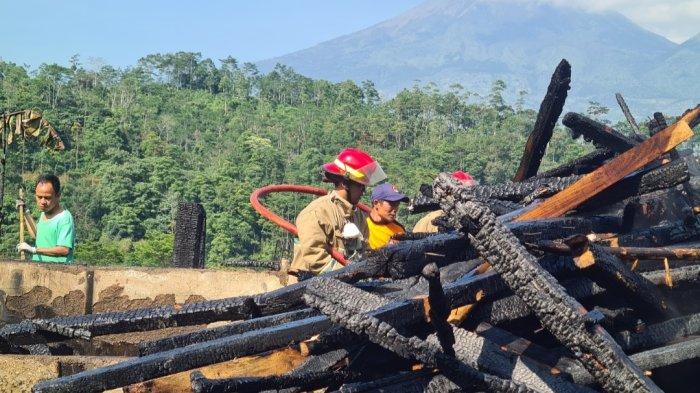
[582, 278]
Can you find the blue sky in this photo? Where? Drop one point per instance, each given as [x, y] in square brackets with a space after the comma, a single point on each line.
[119, 32]
[122, 31]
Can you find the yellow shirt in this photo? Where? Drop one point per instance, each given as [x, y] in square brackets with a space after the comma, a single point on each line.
[380, 234]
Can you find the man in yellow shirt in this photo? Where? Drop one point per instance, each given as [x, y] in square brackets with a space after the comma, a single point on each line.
[381, 223]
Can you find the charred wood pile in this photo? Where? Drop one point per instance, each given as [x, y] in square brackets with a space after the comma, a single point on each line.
[582, 278]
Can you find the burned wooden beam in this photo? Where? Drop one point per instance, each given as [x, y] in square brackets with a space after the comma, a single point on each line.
[559, 313]
[626, 253]
[181, 340]
[661, 235]
[190, 236]
[613, 171]
[547, 117]
[308, 382]
[406, 382]
[601, 135]
[571, 368]
[510, 308]
[607, 270]
[557, 359]
[660, 178]
[385, 335]
[182, 359]
[580, 166]
[668, 355]
[422, 204]
[630, 119]
[563, 227]
[439, 309]
[659, 334]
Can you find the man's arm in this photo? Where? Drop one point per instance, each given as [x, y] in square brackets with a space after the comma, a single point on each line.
[55, 251]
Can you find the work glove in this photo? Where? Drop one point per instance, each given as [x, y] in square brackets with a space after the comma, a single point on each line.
[26, 247]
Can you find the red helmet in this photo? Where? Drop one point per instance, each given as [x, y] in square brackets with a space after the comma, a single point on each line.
[464, 177]
[356, 165]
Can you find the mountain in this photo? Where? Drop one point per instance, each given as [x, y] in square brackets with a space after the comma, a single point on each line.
[475, 42]
[679, 73]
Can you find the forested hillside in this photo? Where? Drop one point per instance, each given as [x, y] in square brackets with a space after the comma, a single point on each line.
[180, 127]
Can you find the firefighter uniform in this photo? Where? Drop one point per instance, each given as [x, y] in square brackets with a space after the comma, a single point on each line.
[425, 224]
[320, 226]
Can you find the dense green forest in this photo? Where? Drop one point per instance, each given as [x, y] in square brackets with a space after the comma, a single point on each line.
[182, 127]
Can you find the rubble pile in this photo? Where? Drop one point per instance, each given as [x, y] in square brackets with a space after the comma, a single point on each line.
[583, 278]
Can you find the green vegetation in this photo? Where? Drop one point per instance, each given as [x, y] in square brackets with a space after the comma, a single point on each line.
[177, 127]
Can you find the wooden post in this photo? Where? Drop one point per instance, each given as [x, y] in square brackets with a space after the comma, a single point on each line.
[20, 207]
[190, 236]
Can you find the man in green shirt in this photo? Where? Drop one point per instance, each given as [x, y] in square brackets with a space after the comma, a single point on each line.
[55, 232]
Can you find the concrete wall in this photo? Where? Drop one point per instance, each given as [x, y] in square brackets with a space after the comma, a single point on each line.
[39, 290]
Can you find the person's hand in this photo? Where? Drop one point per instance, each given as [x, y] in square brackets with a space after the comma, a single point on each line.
[26, 247]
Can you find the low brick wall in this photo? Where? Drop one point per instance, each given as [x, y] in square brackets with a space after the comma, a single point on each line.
[40, 290]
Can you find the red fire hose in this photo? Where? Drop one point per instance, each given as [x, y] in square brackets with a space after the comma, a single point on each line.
[284, 224]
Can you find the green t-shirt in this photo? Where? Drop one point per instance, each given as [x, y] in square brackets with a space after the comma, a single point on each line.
[58, 231]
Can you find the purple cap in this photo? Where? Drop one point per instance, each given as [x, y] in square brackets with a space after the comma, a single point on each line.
[387, 192]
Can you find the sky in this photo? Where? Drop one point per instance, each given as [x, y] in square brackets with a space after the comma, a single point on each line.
[120, 32]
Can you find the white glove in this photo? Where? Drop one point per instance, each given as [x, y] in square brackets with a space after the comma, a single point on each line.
[26, 247]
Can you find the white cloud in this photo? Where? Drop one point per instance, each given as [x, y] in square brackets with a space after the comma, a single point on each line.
[676, 20]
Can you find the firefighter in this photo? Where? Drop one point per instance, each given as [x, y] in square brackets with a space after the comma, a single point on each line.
[425, 224]
[333, 220]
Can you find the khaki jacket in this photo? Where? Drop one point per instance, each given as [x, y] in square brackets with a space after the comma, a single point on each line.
[425, 224]
[319, 226]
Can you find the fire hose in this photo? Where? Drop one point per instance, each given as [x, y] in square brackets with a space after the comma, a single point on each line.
[286, 225]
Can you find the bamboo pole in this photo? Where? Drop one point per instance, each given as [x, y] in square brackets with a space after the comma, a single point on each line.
[20, 207]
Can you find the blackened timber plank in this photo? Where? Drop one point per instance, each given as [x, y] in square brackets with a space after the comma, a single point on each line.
[628, 115]
[549, 112]
[668, 355]
[611, 273]
[613, 171]
[601, 135]
[659, 334]
[579, 166]
[183, 359]
[181, 340]
[309, 381]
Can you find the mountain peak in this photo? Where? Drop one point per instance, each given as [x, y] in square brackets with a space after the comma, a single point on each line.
[475, 42]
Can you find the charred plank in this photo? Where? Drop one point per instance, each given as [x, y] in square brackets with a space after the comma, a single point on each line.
[308, 381]
[618, 278]
[630, 119]
[579, 166]
[181, 340]
[182, 359]
[601, 135]
[661, 235]
[398, 381]
[660, 178]
[668, 355]
[659, 334]
[439, 309]
[549, 112]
